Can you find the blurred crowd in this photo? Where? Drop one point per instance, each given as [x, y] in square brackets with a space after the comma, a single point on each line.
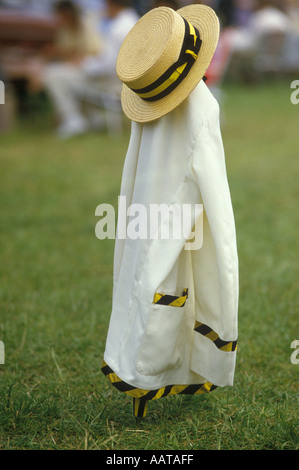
[68, 49]
[259, 38]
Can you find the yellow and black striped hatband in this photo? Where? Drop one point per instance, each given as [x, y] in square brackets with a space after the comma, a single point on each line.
[164, 57]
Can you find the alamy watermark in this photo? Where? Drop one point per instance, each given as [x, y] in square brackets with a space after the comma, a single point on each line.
[2, 355]
[155, 221]
[295, 94]
[2, 92]
[295, 354]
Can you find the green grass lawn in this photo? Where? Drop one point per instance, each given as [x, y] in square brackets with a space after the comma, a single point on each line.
[56, 287]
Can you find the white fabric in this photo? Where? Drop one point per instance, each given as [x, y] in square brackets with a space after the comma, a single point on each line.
[61, 81]
[176, 159]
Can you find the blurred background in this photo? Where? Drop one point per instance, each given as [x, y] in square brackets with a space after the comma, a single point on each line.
[50, 50]
[63, 141]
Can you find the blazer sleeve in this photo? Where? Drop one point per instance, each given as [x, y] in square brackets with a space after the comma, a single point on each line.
[215, 265]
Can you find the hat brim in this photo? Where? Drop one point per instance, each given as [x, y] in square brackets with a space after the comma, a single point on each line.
[207, 23]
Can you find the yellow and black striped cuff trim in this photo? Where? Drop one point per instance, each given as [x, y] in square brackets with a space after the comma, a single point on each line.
[206, 331]
[194, 389]
[171, 300]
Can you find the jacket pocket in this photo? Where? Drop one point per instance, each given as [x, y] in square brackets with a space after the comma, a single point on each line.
[162, 346]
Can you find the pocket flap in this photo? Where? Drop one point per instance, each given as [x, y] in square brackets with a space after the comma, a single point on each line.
[171, 300]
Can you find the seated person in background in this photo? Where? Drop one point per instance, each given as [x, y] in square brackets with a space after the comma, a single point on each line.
[270, 16]
[118, 19]
[67, 82]
[75, 38]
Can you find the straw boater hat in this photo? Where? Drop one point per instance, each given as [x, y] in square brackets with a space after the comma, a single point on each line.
[164, 57]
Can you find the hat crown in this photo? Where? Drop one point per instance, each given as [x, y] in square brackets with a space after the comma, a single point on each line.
[163, 58]
[151, 47]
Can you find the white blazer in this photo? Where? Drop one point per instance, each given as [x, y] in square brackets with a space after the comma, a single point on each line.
[178, 158]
